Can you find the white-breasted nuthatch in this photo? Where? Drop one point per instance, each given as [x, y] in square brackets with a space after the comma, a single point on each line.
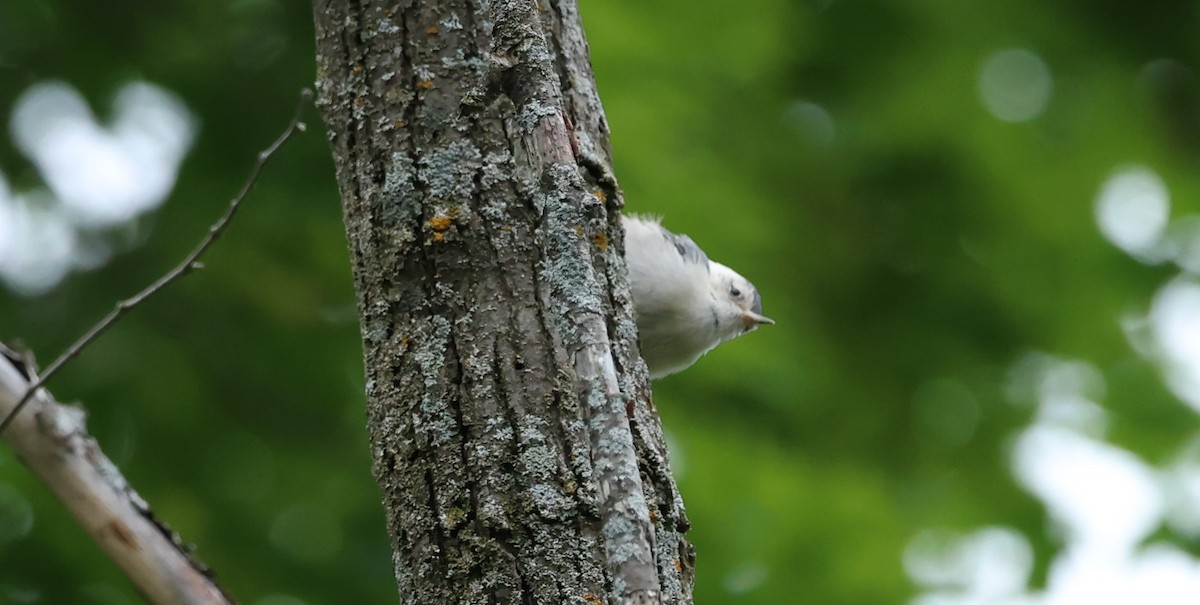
[685, 303]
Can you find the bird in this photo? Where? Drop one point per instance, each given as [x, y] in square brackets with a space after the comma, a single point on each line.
[684, 304]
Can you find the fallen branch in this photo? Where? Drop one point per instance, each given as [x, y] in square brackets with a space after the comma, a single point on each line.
[52, 440]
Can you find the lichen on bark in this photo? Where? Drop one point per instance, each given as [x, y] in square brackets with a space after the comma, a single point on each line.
[514, 439]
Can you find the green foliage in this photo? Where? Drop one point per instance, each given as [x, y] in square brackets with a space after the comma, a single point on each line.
[910, 245]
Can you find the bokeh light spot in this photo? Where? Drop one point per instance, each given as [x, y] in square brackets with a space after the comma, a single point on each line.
[16, 514]
[745, 578]
[19, 594]
[104, 176]
[1182, 487]
[812, 122]
[1182, 243]
[1104, 497]
[1015, 85]
[37, 244]
[1132, 211]
[98, 176]
[989, 563]
[1175, 323]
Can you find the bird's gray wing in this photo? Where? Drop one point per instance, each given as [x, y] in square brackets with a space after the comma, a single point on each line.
[687, 248]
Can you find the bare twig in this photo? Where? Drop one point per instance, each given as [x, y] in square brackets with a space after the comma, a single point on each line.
[189, 264]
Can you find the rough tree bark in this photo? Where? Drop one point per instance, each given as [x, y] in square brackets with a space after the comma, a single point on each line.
[513, 433]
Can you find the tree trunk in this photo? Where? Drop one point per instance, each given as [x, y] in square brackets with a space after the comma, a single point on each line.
[513, 433]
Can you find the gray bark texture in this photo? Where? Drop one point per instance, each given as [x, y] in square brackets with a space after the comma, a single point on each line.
[513, 432]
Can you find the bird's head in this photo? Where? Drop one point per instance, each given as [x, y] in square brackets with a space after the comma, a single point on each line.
[737, 307]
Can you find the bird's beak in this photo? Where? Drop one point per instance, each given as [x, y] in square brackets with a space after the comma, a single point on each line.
[752, 320]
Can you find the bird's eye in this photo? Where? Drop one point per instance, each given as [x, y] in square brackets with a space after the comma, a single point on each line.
[735, 292]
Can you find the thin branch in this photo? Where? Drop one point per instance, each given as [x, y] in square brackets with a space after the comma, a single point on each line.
[53, 442]
[189, 264]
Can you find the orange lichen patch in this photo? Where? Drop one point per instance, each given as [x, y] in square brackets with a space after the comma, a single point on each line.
[600, 195]
[425, 84]
[653, 516]
[433, 30]
[506, 227]
[601, 241]
[399, 124]
[591, 598]
[678, 566]
[361, 101]
[440, 225]
[358, 68]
